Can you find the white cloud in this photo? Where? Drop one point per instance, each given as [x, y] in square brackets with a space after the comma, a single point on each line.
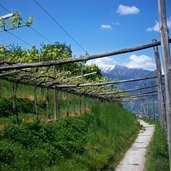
[141, 61]
[127, 10]
[116, 23]
[156, 26]
[106, 26]
[103, 62]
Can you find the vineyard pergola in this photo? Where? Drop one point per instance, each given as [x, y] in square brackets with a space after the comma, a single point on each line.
[40, 74]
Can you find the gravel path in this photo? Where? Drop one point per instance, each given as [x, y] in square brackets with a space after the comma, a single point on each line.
[134, 159]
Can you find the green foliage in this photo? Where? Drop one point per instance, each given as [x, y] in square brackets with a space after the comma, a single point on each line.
[157, 154]
[47, 52]
[92, 68]
[2, 24]
[29, 22]
[55, 51]
[41, 144]
[16, 54]
[71, 73]
[14, 22]
[22, 106]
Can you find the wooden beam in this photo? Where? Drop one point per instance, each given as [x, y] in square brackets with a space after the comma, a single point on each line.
[166, 66]
[136, 95]
[161, 109]
[144, 95]
[105, 83]
[4, 17]
[84, 75]
[82, 59]
[126, 91]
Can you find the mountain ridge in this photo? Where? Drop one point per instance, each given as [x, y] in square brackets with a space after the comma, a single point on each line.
[123, 72]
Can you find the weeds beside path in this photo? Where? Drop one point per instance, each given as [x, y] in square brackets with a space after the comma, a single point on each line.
[157, 156]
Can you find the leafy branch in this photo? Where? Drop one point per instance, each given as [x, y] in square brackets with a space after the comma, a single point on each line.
[14, 21]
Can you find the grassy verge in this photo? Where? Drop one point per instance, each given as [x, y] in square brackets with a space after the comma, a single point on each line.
[94, 141]
[109, 136]
[157, 158]
[88, 142]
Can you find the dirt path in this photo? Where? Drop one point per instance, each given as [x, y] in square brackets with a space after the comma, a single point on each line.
[134, 158]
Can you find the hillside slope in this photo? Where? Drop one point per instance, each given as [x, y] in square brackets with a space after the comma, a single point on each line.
[93, 141]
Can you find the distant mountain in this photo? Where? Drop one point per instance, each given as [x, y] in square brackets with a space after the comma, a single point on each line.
[124, 73]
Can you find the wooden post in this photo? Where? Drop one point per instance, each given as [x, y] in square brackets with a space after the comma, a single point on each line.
[0, 88]
[85, 104]
[154, 116]
[80, 105]
[55, 103]
[153, 104]
[55, 96]
[47, 103]
[15, 86]
[142, 105]
[147, 103]
[161, 109]
[35, 102]
[74, 105]
[144, 111]
[58, 106]
[166, 66]
[68, 104]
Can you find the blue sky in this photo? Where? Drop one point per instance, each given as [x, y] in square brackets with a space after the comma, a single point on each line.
[98, 26]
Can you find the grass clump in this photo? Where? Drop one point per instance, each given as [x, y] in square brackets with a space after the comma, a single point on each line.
[157, 157]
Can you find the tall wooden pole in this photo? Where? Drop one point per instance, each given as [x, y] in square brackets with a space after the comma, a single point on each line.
[55, 103]
[81, 104]
[15, 86]
[153, 102]
[47, 104]
[142, 107]
[147, 102]
[161, 109]
[55, 96]
[58, 106]
[35, 102]
[166, 66]
[0, 88]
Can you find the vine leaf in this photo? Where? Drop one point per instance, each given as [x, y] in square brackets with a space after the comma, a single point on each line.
[2, 23]
[29, 22]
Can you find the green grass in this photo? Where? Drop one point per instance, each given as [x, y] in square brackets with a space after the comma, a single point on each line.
[109, 136]
[33, 146]
[68, 103]
[157, 157]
